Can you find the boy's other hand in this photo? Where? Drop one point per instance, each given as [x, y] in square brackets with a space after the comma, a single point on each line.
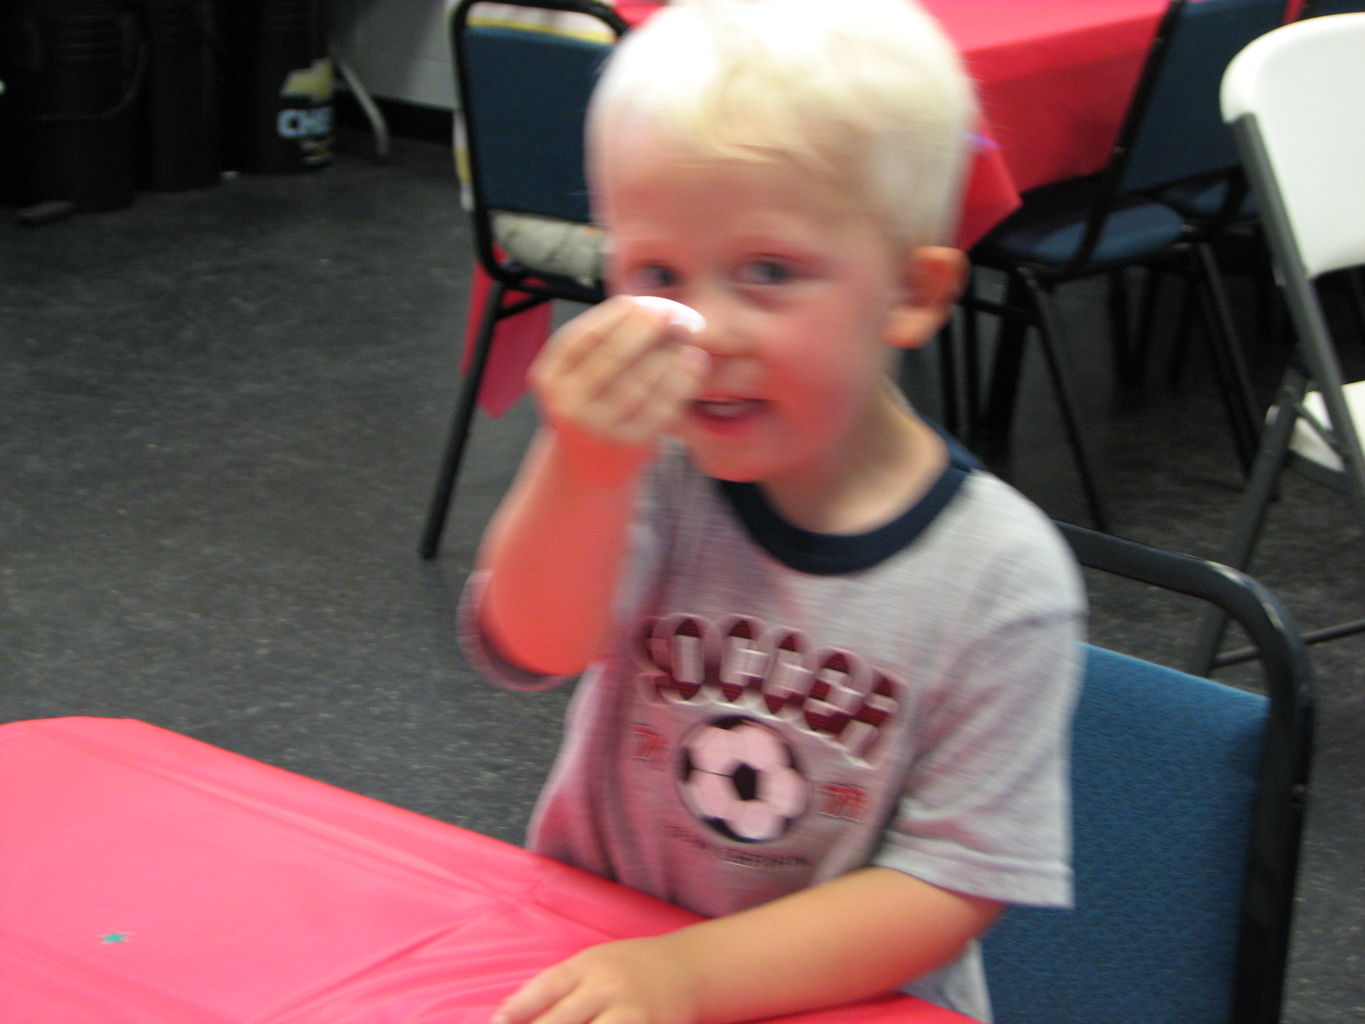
[635, 981]
[613, 380]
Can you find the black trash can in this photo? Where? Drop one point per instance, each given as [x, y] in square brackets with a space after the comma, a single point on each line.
[73, 73]
[181, 124]
[280, 86]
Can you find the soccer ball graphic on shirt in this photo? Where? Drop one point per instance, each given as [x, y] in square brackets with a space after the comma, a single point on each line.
[740, 778]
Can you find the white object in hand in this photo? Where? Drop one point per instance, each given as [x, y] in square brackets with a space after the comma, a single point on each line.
[678, 315]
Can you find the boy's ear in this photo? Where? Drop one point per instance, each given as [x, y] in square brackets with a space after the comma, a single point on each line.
[931, 280]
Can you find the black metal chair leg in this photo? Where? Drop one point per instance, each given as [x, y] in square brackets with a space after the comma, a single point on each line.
[1007, 362]
[1125, 345]
[458, 436]
[1239, 396]
[1256, 499]
[971, 355]
[1131, 366]
[1184, 327]
[948, 382]
[1061, 386]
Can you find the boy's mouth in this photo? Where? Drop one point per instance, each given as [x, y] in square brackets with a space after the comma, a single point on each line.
[726, 409]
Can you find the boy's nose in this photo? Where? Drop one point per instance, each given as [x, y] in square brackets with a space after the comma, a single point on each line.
[717, 336]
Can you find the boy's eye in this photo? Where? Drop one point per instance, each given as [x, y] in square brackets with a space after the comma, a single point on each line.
[766, 272]
[648, 278]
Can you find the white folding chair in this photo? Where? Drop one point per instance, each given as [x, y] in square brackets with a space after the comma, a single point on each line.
[1295, 99]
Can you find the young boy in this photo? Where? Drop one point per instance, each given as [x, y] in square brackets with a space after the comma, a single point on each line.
[830, 663]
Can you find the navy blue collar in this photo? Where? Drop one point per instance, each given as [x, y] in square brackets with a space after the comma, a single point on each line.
[827, 554]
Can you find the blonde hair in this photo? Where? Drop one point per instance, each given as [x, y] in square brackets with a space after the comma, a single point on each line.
[866, 94]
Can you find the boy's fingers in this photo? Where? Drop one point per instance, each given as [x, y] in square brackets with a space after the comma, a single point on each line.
[653, 396]
[604, 336]
[574, 1007]
[610, 333]
[622, 372]
[680, 381]
[543, 991]
[612, 337]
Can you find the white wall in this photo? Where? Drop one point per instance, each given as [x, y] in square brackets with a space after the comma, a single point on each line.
[399, 48]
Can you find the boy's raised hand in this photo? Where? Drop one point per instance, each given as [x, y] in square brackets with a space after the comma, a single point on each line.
[613, 380]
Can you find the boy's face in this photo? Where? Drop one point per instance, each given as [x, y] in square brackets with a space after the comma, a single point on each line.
[802, 294]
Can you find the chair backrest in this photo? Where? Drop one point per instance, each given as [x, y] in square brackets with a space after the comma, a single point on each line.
[1295, 99]
[1187, 812]
[524, 74]
[1173, 128]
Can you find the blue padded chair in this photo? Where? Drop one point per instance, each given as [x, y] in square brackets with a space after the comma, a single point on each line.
[1097, 225]
[523, 88]
[1188, 803]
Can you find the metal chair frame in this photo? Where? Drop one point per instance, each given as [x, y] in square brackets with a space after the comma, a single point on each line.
[1156, 146]
[525, 156]
[1097, 962]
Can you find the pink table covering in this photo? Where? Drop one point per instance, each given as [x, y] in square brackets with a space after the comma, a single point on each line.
[1054, 80]
[147, 878]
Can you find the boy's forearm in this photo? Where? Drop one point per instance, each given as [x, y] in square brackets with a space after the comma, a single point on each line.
[856, 937]
[555, 551]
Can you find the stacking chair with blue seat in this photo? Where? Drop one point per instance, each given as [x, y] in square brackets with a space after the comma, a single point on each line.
[524, 74]
[1188, 804]
[1097, 225]
[1295, 99]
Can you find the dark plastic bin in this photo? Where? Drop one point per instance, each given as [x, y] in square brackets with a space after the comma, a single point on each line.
[74, 74]
[181, 123]
[280, 86]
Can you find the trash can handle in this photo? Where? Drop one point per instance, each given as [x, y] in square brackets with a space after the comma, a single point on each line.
[131, 41]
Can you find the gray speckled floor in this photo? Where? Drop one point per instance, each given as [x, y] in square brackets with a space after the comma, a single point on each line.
[220, 414]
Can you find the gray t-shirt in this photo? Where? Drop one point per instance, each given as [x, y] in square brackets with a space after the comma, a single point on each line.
[779, 707]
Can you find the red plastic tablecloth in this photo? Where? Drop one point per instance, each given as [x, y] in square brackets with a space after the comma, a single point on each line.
[1054, 81]
[148, 878]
